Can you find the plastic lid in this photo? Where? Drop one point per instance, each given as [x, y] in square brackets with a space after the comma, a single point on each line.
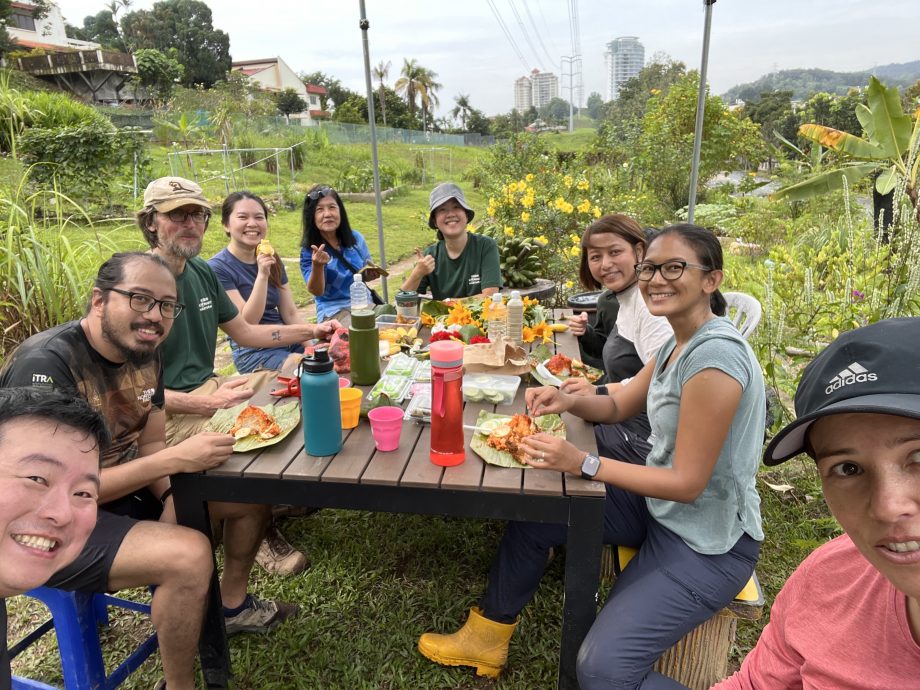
[363, 319]
[317, 363]
[407, 297]
[497, 298]
[358, 278]
[446, 353]
[515, 294]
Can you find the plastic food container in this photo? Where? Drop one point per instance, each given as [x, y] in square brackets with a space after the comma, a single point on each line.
[490, 388]
[419, 407]
[395, 321]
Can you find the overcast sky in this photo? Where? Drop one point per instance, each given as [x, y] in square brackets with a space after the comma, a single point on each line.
[464, 43]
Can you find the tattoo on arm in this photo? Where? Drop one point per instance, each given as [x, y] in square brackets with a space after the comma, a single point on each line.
[276, 335]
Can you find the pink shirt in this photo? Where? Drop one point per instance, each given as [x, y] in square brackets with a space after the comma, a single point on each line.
[836, 624]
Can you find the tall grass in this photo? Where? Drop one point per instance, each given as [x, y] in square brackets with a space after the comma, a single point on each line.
[44, 277]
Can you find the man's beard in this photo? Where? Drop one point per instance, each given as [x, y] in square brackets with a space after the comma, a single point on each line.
[137, 357]
[181, 250]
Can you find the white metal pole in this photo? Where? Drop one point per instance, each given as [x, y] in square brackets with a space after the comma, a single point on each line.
[700, 113]
[365, 25]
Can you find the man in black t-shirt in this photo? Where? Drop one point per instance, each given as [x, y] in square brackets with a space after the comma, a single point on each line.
[50, 446]
[111, 359]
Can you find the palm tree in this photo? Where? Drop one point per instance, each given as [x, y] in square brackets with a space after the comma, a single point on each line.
[381, 72]
[463, 109]
[418, 81]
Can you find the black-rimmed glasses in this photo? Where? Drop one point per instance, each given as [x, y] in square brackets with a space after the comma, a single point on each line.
[316, 194]
[177, 215]
[670, 270]
[143, 304]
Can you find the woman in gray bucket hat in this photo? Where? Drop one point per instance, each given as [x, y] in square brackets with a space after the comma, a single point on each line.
[459, 264]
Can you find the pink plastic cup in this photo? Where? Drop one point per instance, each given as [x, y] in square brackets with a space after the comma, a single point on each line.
[386, 425]
[343, 382]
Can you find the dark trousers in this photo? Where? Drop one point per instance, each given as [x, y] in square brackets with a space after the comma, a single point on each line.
[667, 590]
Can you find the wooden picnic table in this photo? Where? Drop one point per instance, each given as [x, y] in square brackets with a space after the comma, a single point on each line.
[361, 478]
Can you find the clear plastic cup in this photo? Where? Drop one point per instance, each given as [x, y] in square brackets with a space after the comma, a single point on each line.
[386, 425]
[350, 401]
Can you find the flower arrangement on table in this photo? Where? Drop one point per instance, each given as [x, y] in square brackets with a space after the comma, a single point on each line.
[466, 320]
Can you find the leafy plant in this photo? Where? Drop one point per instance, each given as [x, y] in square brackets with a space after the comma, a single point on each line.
[519, 257]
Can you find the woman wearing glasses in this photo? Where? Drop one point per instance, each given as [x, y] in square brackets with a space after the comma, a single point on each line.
[331, 253]
[255, 282]
[692, 511]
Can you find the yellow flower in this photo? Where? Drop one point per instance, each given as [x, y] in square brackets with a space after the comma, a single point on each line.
[575, 239]
[459, 315]
[470, 228]
[529, 301]
[583, 185]
[509, 231]
[567, 208]
[575, 251]
[541, 240]
[527, 335]
[490, 210]
[569, 284]
[527, 201]
[584, 206]
[512, 188]
[596, 212]
[567, 181]
[427, 319]
[559, 203]
[525, 216]
[529, 177]
[542, 330]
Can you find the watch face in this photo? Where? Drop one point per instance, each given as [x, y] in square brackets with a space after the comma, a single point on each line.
[589, 466]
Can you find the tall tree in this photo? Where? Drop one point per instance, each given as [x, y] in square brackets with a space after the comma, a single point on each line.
[289, 102]
[102, 29]
[462, 110]
[418, 82]
[595, 106]
[381, 72]
[334, 89]
[187, 26]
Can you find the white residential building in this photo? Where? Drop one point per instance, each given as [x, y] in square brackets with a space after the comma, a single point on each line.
[545, 87]
[523, 94]
[47, 33]
[624, 59]
[274, 74]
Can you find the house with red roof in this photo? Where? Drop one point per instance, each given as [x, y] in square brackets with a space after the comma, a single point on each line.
[274, 75]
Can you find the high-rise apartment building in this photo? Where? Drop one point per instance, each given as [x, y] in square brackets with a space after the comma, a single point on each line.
[624, 58]
[523, 94]
[536, 90]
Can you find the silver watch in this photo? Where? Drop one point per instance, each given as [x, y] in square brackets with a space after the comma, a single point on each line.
[589, 466]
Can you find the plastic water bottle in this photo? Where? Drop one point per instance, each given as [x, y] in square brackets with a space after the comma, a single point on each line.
[497, 318]
[516, 318]
[447, 443]
[322, 414]
[360, 300]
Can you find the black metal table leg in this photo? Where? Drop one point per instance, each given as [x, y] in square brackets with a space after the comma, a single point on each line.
[582, 572]
[213, 649]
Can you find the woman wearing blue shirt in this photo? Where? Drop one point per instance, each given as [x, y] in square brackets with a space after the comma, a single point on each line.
[331, 253]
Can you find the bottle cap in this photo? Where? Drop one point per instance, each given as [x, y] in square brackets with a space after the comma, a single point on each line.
[358, 278]
[317, 363]
[446, 353]
[497, 298]
[363, 319]
[515, 294]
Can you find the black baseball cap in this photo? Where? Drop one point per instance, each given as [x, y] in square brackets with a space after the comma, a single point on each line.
[874, 369]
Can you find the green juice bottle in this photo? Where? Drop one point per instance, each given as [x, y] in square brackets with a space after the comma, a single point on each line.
[364, 348]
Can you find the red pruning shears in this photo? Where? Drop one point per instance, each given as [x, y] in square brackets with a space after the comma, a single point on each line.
[292, 387]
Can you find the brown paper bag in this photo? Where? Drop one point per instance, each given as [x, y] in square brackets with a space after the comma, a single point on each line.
[502, 357]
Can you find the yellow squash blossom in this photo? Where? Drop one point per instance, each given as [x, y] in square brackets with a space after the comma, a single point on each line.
[427, 319]
[459, 315]
[542, 330]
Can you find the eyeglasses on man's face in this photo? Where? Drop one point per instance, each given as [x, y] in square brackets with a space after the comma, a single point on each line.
[178, 215]
[319, 193]
[143, 304]
[670, 270]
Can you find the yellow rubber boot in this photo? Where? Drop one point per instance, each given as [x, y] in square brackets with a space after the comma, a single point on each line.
[480, 643]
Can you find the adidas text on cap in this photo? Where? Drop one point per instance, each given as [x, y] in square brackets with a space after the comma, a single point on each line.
[169, 193]
[874, 369]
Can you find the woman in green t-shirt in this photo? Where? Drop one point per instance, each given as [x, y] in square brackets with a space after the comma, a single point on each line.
[459, 264]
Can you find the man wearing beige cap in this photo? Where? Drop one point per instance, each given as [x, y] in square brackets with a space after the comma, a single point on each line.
[173, 221]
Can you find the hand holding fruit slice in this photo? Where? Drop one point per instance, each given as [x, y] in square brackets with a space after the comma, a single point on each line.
[265, 247]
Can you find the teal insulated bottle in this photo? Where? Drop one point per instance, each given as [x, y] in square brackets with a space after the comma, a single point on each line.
[322, 415]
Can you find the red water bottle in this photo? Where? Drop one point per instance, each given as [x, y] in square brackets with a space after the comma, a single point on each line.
[447, 445]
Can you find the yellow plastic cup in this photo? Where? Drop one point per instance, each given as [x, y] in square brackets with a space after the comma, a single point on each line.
[350, 402]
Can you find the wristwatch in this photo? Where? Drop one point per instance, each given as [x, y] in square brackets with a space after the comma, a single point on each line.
[589, 466]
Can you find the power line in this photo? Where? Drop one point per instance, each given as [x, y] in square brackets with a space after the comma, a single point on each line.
[537, 32]
[539, 61]
[552, 45]
[501, 23]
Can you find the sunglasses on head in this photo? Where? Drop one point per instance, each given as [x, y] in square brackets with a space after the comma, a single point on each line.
[316, 194]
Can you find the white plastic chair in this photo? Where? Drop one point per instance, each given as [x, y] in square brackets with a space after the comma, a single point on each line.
[744, 311]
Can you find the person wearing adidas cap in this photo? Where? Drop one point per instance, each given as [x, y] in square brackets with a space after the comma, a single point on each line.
[849, 616]
[459, 264]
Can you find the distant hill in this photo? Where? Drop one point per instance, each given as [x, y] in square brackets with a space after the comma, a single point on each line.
[805, 82]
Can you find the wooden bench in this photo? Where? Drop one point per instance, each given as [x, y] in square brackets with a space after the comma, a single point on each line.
[700, 658]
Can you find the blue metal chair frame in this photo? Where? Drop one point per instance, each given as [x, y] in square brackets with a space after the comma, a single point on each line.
[75, 617]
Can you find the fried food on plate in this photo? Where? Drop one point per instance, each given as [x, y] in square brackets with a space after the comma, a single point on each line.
[254, 421]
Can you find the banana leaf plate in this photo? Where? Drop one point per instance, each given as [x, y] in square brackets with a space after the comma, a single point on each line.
[287, 416]
[550, 423]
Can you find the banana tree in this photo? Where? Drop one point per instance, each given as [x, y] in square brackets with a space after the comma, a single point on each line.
[889, 149]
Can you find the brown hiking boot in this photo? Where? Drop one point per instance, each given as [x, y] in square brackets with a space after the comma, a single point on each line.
[278, 557]
[259, 616]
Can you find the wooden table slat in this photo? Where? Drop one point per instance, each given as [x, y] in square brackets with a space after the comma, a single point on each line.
[420, 471]
[388, 468]
[348, 465]
[468, 474]
[237, 463]
[304, 466]
[274, 459]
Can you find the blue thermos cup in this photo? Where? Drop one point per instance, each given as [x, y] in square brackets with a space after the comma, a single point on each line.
[322, 415]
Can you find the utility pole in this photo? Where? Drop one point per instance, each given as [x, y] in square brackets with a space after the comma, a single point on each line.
[700, 112]
[571, 60]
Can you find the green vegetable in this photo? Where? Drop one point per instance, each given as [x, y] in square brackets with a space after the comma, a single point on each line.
[473, 394]
[494, 396]
[383, 309]
[468, 331]
[381, 400]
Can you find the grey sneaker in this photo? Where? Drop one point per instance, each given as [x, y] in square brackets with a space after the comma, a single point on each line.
[278, 557]
[260, 615]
